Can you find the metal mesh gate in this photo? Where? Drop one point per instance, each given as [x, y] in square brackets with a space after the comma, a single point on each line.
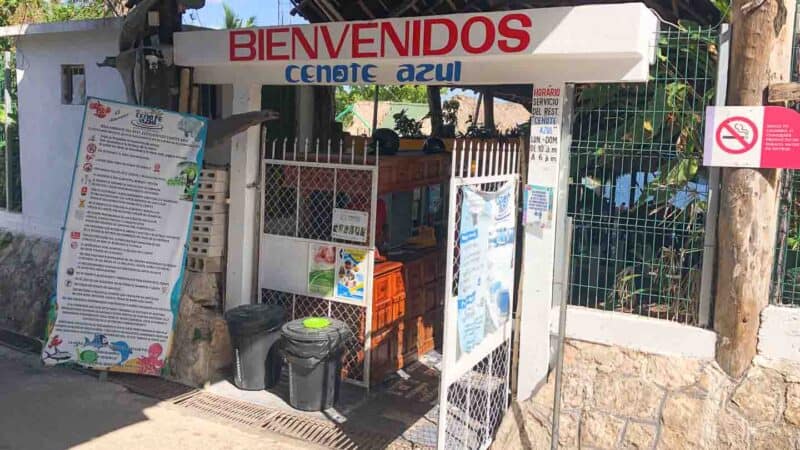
[638, 192]
[475, 386]
[304, 183]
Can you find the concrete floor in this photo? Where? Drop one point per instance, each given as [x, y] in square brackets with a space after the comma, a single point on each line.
[57, 408]
[404, 407]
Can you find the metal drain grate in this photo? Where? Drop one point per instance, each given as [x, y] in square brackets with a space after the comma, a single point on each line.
[320, 432]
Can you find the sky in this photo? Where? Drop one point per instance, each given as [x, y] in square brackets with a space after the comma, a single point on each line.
[266, 12]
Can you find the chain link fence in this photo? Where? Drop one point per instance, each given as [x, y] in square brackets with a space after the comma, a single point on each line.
[786, 273]
[638, 193]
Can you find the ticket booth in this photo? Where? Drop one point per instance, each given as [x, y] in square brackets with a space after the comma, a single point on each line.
[416, 251]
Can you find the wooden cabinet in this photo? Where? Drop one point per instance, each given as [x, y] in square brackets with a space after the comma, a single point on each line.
[408, 170]
[406, 311]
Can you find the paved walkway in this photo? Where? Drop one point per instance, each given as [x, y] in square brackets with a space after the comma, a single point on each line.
[57, 408]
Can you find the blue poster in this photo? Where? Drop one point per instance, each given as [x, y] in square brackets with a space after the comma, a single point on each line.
[486, 263]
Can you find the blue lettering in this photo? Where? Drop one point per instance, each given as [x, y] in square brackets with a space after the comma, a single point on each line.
[306, 74]
[441, 75]
[406, 73]
[424, 69]
[340, 74]
[289, 69]
[326, 70]
[366, 75]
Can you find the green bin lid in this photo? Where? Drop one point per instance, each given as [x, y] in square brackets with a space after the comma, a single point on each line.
[316, 323]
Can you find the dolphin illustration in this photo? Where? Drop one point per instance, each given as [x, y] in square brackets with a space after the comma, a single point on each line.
[99, 341]
[122, 348]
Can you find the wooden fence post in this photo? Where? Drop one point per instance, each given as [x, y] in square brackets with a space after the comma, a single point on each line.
[762, 35]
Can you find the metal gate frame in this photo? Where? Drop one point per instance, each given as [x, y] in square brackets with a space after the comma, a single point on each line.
[287, 155]
[488, 167]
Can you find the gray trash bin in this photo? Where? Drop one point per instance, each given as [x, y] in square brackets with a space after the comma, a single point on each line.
[255, 329]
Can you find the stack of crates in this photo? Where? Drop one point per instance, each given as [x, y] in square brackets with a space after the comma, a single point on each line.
[209, 229]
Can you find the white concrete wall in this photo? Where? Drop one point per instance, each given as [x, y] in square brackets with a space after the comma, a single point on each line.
[779, 335]
[49, 131]
[644, 334]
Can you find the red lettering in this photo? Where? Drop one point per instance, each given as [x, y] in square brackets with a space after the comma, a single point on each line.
[415, 37]
[299, 38]
[521, 35]
[261, 46]
[273, 44]
[488, 38]
[451, 40]
[358, 40]
[235, 45]
[333, 53]
[388, 31]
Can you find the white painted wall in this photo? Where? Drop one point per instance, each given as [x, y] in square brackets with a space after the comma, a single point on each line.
[644, 334]
[49, 131]
[779, 335]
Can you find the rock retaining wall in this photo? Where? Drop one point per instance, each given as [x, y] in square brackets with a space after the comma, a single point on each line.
[27, 282]
[614, 398]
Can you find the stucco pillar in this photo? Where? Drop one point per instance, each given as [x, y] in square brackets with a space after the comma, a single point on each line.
[242, 242]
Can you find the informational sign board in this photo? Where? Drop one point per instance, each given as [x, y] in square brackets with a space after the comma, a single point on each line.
[477, 48]
[758, 137]
[545, 180]
[124, 244]
[350, 225]
[486, 263]
[351, 273]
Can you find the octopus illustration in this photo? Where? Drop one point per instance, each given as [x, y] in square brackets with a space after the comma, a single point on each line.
[151, 364]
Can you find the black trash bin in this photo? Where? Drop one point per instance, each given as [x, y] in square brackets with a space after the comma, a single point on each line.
[255, 329]
[313, 349]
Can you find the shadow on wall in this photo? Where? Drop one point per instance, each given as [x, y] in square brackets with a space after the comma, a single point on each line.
[27, 282]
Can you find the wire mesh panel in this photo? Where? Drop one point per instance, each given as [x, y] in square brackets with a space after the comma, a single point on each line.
[638, 193]
[304, 185]
[475, 384]
[476, 402]
[786, 276]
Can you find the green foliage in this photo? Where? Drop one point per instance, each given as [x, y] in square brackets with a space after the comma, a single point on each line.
[651, 132]
[450, 112]
[347, 95]
[407, 127]
[14, 12]
[232, 20]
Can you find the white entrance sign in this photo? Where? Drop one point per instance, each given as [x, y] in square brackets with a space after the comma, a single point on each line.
[124, 243]
[482, 48]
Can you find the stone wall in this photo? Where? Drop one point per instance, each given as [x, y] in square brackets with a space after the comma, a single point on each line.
[27, 282]
[614, 398]
[201, 347]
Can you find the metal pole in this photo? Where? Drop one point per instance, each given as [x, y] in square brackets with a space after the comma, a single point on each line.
[375, 110]
[562, 325]
[7, 127]
[710, 233]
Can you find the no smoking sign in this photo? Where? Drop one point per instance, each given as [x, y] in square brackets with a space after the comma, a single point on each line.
[740, 136]
[737, 135]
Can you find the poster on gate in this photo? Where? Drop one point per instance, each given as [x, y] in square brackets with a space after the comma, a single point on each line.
[351, 273]
[123, 247]
[486, 263]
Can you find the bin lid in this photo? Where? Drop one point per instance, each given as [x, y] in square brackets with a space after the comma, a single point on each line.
[314, 337]
[254, 318]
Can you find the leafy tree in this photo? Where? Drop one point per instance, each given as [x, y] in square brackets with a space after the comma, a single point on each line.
[232, 20]
[347, 95]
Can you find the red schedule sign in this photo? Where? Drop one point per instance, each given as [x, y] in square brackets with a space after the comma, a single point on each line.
[759, 137]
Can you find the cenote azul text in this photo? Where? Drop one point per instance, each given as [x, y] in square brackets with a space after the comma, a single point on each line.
[365, 73]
